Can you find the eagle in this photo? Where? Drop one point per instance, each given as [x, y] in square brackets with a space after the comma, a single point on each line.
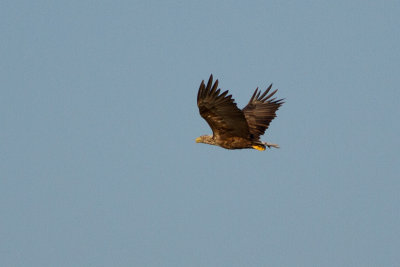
[234, 128]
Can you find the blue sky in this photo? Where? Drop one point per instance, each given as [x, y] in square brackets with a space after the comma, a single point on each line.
[98, 111]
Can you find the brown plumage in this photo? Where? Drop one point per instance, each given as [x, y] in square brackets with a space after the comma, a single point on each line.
[234, 128]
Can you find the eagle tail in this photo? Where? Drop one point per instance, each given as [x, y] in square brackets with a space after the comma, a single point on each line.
[269, 145]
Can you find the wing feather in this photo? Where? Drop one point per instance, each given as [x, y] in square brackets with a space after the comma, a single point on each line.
[220, 111]
[260, 111]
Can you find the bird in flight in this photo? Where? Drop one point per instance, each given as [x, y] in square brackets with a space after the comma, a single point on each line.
[234, 128]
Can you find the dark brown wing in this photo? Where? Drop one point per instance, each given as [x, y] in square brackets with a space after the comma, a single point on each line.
[260, 111]
[220, 111]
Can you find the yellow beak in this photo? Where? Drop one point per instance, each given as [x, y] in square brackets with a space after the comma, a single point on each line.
[198, 139]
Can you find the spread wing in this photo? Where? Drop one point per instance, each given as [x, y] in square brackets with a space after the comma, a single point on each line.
[260, 111]
[220, 111]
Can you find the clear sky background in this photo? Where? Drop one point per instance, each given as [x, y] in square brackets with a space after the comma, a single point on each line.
[99, 166]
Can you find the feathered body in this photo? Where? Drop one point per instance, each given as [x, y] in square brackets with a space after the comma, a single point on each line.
[234, 128]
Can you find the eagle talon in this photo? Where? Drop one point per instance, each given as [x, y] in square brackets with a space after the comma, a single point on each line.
[259, 148]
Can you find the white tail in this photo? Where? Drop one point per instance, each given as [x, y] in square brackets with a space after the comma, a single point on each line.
[269, 145]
